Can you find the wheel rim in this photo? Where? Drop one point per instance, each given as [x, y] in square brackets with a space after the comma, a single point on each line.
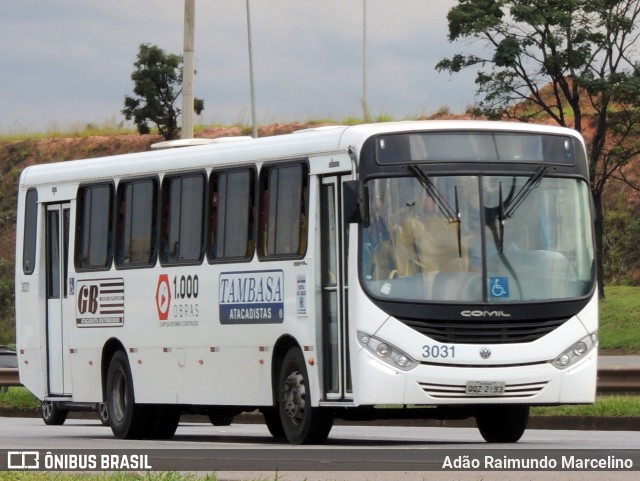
[47, 409]
[294, 397]
[120, 395]
[104, 412]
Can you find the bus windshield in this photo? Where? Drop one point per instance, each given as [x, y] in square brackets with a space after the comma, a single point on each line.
[488, 239]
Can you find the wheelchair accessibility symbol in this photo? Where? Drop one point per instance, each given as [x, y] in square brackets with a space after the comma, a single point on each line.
[499, 286]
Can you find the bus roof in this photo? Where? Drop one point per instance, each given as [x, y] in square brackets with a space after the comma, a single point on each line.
[302, 144]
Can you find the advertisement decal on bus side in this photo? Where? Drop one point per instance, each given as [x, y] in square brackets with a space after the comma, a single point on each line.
[100, 303]
[252, 297]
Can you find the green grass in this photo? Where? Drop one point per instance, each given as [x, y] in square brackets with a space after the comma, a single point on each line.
[122, 476]
[605, 406]
[620, 319]
[18, 398]
[108, 127]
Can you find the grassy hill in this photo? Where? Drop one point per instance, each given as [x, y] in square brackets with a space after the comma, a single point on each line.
[15, 155]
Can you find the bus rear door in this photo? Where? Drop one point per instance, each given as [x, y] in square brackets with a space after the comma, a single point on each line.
[57, 257]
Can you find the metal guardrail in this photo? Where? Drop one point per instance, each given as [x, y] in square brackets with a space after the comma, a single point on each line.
[9, 377]
[620, 379]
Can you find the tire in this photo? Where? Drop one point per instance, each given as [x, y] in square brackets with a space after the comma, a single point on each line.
[103, 414]
[220, 419]
[502, 423]
[301, 423]
[273, 422]
[52, 414]
[164, 421]
[127, 419]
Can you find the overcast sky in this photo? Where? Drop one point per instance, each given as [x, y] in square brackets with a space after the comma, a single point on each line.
[69, 62]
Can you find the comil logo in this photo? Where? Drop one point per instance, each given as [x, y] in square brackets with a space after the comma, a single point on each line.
[23, 460]
[485, 314]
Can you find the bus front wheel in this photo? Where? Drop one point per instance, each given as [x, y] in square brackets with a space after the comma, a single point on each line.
[502, 423]
[301, 423]
[163, 422]
[128, 420]
[273, 422]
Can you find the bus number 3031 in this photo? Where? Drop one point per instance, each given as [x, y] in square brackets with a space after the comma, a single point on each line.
[438, 351]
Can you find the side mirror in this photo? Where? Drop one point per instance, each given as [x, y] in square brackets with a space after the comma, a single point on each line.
[355, 202]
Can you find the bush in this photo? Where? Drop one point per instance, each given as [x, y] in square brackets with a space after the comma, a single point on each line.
[621, 253]
[7, 304]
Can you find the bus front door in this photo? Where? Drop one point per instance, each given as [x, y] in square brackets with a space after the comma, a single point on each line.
[336, 369]
[57, 256]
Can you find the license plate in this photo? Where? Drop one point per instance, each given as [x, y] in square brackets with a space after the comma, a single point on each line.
[485, 388]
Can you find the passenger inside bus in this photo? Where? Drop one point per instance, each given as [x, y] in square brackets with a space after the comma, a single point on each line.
[377, 242]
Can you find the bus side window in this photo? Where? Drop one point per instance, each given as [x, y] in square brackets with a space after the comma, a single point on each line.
[304, 219]
[30, 232]
[94, 227]
[264, 221]
[136, 227]
[284, 211]
[183, 219]
[212, 241]
[232, 202]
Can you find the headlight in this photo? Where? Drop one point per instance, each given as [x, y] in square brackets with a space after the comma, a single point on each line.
[386, 352]
[576, 352]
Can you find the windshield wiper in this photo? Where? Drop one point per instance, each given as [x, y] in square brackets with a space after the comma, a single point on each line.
[531, 183]
[501, 219]
[507, 208]
[452, 215]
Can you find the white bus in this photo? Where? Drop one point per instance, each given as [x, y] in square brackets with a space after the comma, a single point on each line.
[431, 269]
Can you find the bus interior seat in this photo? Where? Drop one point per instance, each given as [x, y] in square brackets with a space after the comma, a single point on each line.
[541, 274]
[462, 286]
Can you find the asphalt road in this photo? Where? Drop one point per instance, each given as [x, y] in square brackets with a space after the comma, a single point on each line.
[613, 360]
[355, 453]
[247, 451]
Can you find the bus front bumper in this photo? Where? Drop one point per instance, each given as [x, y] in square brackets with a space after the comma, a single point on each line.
[430, 384]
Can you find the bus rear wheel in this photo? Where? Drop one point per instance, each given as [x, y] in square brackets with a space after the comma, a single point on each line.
[301, 423]
[103, 414]
[128, 420]
[502, 423]
[52, 414]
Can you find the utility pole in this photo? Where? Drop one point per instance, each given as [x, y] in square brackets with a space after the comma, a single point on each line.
[188, 69]
[365, 103]
[251, 85]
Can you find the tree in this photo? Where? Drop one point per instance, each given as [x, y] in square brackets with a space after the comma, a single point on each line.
[157, 79]
[573, 61]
